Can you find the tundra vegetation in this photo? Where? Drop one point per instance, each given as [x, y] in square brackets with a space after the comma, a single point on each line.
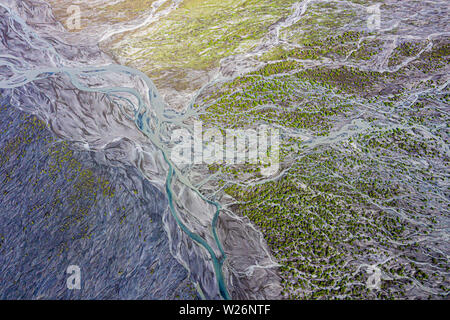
[338, 206]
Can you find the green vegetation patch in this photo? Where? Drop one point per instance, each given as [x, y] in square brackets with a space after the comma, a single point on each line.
[199, 33]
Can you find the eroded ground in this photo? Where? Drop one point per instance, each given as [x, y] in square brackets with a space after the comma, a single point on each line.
[364, 119]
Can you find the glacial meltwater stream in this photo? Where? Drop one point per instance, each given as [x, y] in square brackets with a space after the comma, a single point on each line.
[151, 119]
